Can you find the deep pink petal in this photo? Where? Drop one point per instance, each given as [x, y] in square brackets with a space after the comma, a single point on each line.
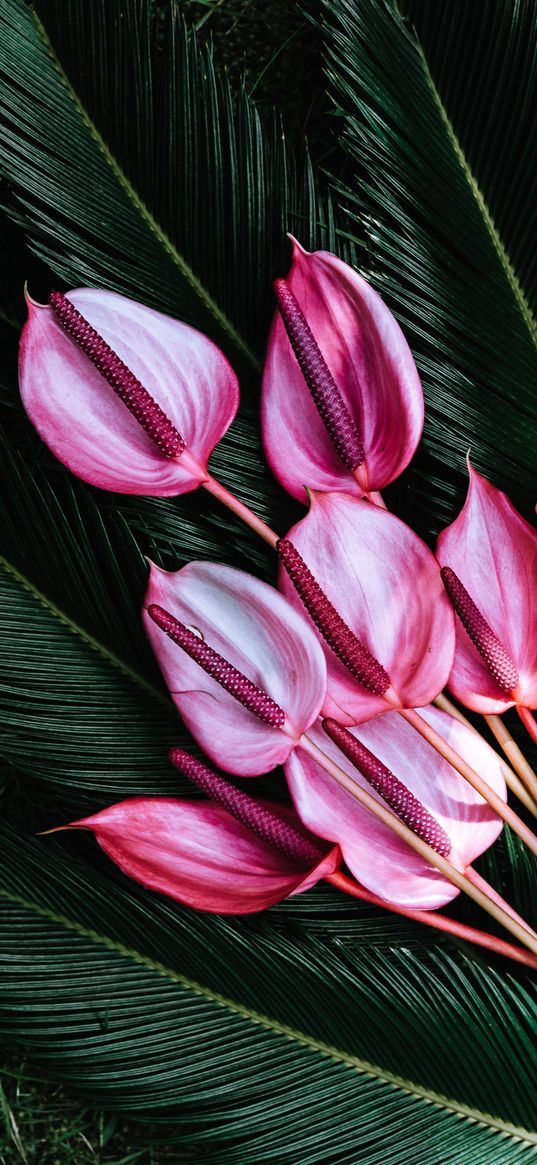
[372, 366]
[385, 583]
[198, 853]
[260, 633]
[86, 425]
[377, 858]
[494, 553]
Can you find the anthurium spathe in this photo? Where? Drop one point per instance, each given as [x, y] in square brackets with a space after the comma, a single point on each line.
[129, 399]
[385, 585]
[199, 853]
[342, 405]
[255, 642]
[489, 561]
[380, 861]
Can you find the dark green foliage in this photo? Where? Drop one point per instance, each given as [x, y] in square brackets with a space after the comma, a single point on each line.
[132, 161]
[270, 1048]
[436, 251]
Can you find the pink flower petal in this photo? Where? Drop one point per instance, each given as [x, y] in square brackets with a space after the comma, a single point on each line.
[378, 859]
[260, 633]
[385, 583]
[494, 553]
[372, 366]
[197, 853]
[85, 424]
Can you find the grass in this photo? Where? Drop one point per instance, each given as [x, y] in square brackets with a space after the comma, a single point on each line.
[42, 1123]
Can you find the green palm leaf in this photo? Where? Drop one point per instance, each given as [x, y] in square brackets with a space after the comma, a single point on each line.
[437, 253]
[306, 1061]
[301, 1034]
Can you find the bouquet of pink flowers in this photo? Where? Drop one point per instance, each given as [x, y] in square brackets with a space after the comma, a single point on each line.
[335, 674]
[268, 567]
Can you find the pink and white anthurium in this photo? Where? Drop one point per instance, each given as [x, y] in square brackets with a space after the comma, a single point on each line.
[342, 405]
[489, 561]
[377, 858]
[269, 646]
[200, 854]
[385, 584]
[170, 397]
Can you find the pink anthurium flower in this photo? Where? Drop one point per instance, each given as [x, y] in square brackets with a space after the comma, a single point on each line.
[489, 566]
[386, 625]
[254, 678]
[129, 399]
[342, 405]
[229, 855]
[451, 814]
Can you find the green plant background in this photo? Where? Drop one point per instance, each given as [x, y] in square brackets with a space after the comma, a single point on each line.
[134, 156]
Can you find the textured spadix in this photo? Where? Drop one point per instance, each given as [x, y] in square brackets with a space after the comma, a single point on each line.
[358, 428]
[377, 858]
[141, 408]
[392, 790]
[257, 633]
[492, 652]
[493, 552]
[199, 854]
[270, 824]
[385, 584]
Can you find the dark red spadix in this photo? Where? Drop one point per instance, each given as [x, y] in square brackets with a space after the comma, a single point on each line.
[264, 822]
[407, 807]
[341, 427]
[491, 650]
[116, 373]
[344, 643]
[242, 689]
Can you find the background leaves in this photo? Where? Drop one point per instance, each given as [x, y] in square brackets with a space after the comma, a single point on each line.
[131, 160]
[419, 153]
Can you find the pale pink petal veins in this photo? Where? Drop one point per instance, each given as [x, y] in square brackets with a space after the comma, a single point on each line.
[373, 369]
[493, 550]
[85, 424]
[261, 634]
[382, 862]
[197, 853]
[385, 583]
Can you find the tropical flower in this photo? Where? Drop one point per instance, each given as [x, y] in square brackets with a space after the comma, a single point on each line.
[342, 405]
[434, 799]
[373, 590]
[129, 399]
[264, 681]
[229, 855]
[242, 650]
[489, 567]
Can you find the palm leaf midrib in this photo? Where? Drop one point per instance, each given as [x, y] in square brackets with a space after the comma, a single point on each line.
[488, 221]
[171, 250]
[75, 628]
[363, 1067]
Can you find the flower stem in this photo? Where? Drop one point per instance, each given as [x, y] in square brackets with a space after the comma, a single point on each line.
[376, 499]
[510, 748]
[243, 512]
[501, 913]
[489, 795]
[528, 721]
[227, 499]
[516, 756]
[435, 920]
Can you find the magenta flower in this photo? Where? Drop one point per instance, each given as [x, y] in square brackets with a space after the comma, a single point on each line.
[374, 591]
[265, 677]
[342, 405]
[129, 399]
[229, 855]
[489, 566]
[430, 795]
